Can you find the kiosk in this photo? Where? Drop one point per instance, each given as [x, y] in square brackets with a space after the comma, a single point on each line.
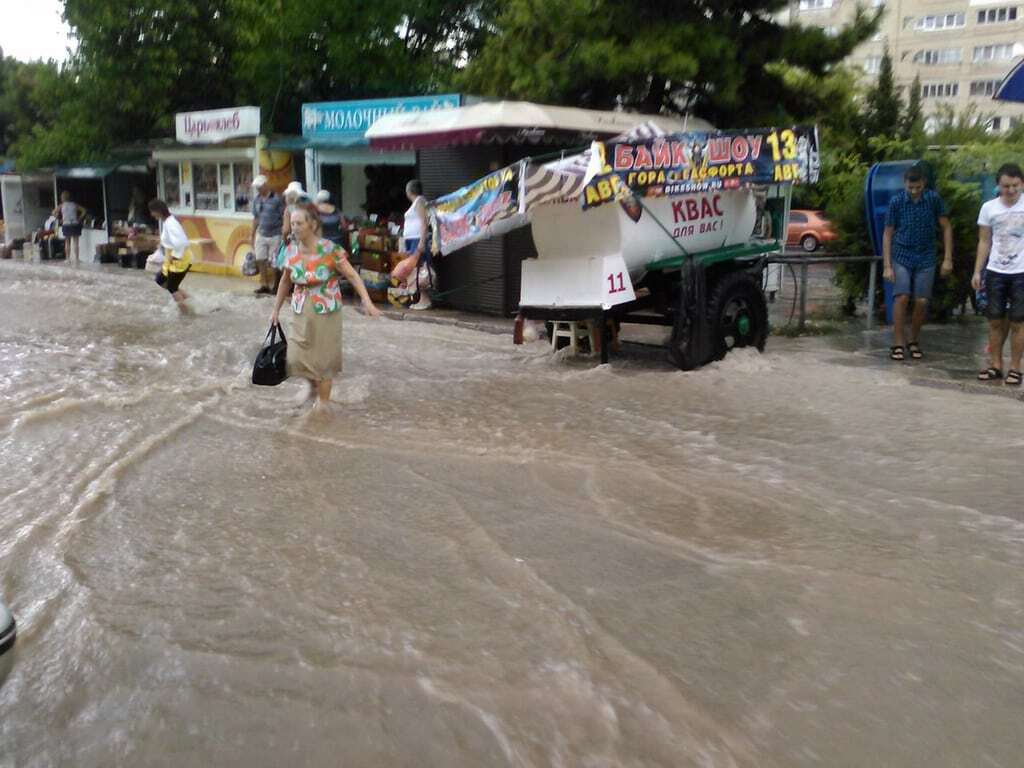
[206, 181]
[27, 201]
[362, 182]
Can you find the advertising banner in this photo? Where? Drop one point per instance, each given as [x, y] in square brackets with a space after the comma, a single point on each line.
[216, 125]
[700, 161]
[489, 206]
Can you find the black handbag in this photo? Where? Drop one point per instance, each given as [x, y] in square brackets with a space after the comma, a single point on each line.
[271, 368]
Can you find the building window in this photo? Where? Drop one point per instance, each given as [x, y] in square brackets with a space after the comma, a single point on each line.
[997, 52]
[997, 15]
[170, 176]
[939, 90]
[873, 65]
[984, 87]
[995, 124]
[814, 5]
[940, 21]
[938, 56]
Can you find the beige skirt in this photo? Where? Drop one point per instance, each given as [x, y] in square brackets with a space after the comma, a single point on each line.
[314, 344]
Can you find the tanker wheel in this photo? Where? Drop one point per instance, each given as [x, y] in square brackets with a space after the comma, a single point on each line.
[737, 315]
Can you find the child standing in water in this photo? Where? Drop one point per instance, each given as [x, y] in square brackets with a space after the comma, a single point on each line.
[174, 248]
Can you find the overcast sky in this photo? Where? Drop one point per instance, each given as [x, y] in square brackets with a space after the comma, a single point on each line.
[33, 29]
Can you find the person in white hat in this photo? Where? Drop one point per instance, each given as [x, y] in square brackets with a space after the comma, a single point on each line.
[293, 195]
[267, 218]
[330, 218]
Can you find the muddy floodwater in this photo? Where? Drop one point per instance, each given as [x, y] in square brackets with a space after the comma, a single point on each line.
[486, 555]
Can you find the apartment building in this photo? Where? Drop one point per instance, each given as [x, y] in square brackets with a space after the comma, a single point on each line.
[961, 50]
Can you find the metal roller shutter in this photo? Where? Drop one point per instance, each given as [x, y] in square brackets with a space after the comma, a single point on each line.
[444, 170]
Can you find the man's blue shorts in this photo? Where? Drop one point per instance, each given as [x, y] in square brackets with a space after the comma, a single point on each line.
[913, 280]
[1005, 296]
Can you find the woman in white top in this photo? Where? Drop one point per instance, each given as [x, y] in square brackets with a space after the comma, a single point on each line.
[174, 247]
[414, 241]
[70, 214]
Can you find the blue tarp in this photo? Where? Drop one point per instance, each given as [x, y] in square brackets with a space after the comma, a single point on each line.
[1012, 86]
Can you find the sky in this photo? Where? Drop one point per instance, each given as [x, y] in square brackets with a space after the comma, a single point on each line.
[33, 29]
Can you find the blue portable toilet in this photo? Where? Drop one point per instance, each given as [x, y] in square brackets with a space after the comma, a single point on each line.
[885, 180]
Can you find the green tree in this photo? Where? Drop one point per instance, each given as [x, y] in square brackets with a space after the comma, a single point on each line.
[884, 110]
[140, 61]
[348, 49]
[913, 119]
[654, 55]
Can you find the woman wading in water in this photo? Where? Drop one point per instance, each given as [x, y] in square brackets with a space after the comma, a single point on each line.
[315, 266]
[174, 247]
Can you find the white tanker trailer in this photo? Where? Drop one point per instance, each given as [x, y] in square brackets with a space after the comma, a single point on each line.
[653, 228]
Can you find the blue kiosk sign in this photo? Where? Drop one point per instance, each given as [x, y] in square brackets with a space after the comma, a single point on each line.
[344, 123]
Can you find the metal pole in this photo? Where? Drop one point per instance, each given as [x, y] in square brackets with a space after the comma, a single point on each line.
[803, 295]
[872, 278]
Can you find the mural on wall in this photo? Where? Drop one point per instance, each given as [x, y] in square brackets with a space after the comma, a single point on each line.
[221, 244]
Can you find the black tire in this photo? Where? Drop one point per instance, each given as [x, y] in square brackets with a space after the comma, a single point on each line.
[737, 315]
[809, 243]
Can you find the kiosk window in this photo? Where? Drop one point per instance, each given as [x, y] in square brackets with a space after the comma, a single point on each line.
[206, 187]
[226, 193]
[243, 187]
[171, 178]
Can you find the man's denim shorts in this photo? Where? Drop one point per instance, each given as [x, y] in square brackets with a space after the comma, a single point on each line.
[1005, 293]
[913, 280]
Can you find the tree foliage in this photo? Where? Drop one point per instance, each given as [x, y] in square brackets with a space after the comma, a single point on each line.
[140, 61]
[884, 107]
[659, 55]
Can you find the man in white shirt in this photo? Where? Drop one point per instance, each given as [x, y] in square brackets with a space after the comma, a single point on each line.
[1001, 258]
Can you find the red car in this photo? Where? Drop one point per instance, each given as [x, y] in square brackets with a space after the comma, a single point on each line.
[808, 229]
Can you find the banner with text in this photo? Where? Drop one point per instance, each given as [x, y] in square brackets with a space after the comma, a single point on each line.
[489, 206]
[699, 161]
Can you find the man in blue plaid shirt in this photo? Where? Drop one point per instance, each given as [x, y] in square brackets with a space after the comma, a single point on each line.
[908, 250]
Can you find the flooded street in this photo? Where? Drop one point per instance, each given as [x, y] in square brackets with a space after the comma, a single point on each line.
[489, 556]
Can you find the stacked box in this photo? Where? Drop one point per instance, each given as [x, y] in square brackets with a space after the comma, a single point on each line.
[107, 254]
[374, 262]
[376, 284]
[375, 245]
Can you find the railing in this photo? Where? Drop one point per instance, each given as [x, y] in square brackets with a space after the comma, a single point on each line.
[804, 261]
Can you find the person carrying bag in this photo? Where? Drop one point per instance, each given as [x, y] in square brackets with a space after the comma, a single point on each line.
[271, 366]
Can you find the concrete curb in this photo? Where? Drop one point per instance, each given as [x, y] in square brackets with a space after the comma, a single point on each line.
[971, 387]
[496, 326]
